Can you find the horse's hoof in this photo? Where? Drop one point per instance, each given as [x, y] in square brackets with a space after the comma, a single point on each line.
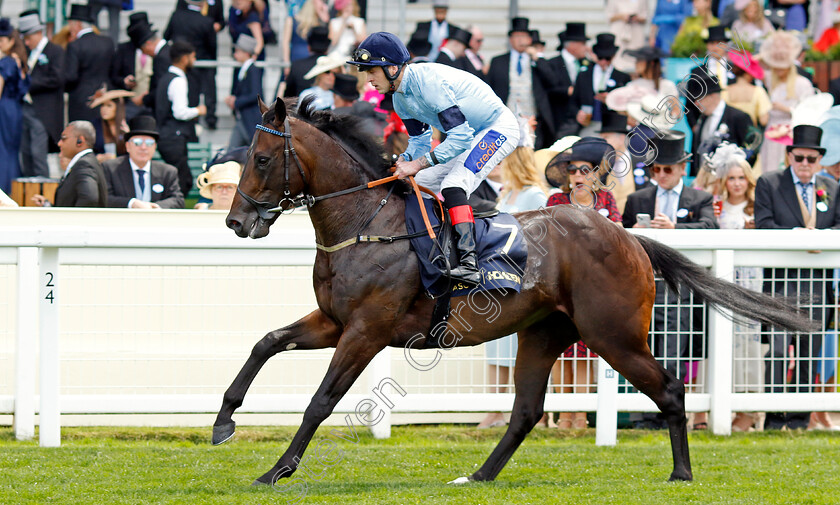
[681, 476]
[258, 482]
[223, 432]
[460, 480]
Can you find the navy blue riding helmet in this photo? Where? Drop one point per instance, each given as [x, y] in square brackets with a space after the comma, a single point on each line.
[381, 49]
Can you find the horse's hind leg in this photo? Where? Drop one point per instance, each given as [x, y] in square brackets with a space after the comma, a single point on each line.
[539, 346]
[314, 331]
[629, 354]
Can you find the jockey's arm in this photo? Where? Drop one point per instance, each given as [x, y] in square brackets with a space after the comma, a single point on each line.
[419, 139]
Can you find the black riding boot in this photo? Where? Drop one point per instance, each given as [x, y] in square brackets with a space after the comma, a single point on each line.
[467, 269]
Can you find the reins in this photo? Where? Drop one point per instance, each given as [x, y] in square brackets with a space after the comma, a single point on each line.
[266, 210]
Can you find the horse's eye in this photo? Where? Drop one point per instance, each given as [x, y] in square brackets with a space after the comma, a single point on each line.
[262, 160]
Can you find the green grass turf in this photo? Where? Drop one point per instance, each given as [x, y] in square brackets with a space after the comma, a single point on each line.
[171, 465]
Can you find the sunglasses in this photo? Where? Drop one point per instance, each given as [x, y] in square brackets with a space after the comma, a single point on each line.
[656, 169]
[139, 142]
[799, 158]
[573, 169]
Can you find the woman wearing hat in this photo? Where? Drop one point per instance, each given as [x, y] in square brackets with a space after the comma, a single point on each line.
[347, 29]
[786, 88]
[324, 74]
[649, 71]
[112, 111]
[14, 84]
[219, 184]
[743, 94]
[751, 24]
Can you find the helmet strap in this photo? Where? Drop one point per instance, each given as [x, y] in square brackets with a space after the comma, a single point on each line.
[392, 78]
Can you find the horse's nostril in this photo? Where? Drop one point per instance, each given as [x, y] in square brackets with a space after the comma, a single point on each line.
[234, 224]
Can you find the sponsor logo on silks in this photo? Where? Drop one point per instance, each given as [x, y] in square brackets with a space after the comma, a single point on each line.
[489, 275]
[484, 150]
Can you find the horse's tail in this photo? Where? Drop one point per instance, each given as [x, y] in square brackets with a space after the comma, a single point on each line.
[678, 270]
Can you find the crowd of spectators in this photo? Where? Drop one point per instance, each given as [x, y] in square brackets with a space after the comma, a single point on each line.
[602, 128]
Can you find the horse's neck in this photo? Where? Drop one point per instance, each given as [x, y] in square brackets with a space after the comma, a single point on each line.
[339, 218]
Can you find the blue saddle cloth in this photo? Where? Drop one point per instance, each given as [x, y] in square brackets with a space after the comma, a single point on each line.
[502, 253]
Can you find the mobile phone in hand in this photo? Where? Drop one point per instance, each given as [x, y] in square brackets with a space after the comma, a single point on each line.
[643, 220]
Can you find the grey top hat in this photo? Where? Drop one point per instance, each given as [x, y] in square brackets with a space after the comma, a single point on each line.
[444, 4]
[246, 43]
[29, 22]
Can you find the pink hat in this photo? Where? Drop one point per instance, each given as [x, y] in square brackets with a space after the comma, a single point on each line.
[746, 62]
[341, 4]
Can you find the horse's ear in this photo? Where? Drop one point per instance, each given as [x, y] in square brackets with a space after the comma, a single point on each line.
[263, 106]
[279, 111]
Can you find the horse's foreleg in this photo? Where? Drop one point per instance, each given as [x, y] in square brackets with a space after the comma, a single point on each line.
[356, 347]
[314, 331]
[539, 346]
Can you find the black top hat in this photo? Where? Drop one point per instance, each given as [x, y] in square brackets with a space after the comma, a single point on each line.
[574, 31]
[346, 87]
[702, 84]
[318, 39]
[646, 53]
[459, 34]
[519, 25]
[142, 125]
[670, 148]
[79, 12]
[716, 34]
[604, 46]
[613, 122]
[139, 33]
[419, 44]
[535, 38]
[138, 17]
[591, 149]
[807, 137]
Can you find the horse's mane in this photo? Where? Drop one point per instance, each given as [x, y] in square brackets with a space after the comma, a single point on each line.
[346, 130]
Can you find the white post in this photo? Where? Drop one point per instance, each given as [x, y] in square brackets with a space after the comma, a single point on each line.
[25, 344]
[50, 412]
[380, 368]
[720, 352]
[607, 413]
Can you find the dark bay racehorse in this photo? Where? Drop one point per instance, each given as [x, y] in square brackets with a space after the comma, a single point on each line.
[586, 279]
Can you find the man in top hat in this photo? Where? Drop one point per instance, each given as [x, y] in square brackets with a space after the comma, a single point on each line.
[347, 103]
[454, 48]
[419, 47]
[671, 204]
[437, 28]
[247, 87]
[114, 8]
[137, 182]
[472, 61]
[318, 41]
[131, 69]
[480, 132]
[83, 183]
[718, 121]
[174, 115]
[714, 65]
[188, 23]
[522, 78]
[43, 107]
[87, 64]
[153, 46]
[797, 198]
[566, 66]
[594, 82]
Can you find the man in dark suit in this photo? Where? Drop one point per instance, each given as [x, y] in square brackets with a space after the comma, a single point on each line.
[131, 69]
[148, 41]
[137, 182]
[436, 29]
[593, 84]
[347, 103]
[674, 205]
[797, 198]
[453, 51]
[87, 65]
[318, 41]
[714, 65]
[83, 183]
[188, 23]
[717, 122]
[43, 109]
[419, 47]
[565, 67]
[472, 61]
[522, 78]
[247, 86]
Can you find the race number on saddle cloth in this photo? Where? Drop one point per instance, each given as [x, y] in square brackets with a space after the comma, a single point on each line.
[502, 253]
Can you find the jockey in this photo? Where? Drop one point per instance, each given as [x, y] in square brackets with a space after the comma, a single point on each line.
[480, 131]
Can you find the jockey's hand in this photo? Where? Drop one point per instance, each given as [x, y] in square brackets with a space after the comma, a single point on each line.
[407, 168]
